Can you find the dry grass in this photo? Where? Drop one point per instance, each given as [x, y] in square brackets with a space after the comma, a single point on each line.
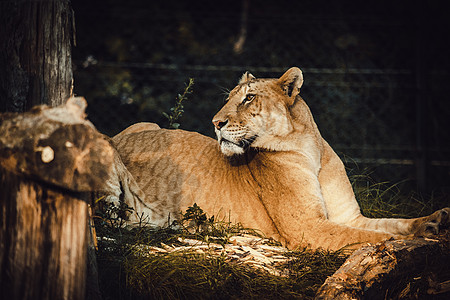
[193, 276]
[128, 274]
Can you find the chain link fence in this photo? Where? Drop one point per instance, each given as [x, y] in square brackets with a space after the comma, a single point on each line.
[375, 78]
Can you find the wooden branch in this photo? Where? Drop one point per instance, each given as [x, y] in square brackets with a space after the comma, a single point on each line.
[56, 146]
[50, 159]
[388, 270]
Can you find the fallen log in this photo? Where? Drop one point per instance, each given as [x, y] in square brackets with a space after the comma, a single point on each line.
[396, 269]
[51, 159]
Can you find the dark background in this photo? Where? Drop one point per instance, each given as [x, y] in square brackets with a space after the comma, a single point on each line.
[376, 72]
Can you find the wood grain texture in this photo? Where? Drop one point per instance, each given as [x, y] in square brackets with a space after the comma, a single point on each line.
[386, 271]
[44, 242]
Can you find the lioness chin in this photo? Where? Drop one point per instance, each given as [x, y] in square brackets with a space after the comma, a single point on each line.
[270, 170]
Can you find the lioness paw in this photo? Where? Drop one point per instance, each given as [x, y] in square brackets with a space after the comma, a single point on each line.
[434, 223]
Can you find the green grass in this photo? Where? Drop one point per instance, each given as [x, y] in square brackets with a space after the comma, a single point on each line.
[385, 200]
[197, 276]
[132, 273]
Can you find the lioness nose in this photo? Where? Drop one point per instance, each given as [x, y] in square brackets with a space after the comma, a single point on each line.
[219, 123]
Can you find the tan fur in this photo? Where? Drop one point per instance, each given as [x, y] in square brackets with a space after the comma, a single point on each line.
[271, 171]
[143, 126]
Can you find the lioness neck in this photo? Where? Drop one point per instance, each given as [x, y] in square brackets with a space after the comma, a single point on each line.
[305, 138]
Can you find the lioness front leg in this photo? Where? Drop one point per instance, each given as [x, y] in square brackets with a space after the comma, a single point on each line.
[432, 224]
[300, 215]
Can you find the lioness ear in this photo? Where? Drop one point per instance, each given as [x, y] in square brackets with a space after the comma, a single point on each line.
[291, 82]
[246, 77]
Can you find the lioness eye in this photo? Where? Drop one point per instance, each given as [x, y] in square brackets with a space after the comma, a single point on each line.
[249, 98]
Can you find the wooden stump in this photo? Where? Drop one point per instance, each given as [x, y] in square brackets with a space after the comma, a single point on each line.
[50, 161]
[396, 269]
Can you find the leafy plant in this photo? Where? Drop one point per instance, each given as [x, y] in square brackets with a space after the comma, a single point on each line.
[195, 214]
[209, 229]
[177, 110]
[111, 215]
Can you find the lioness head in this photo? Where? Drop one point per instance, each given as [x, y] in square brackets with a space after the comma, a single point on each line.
[257, 112]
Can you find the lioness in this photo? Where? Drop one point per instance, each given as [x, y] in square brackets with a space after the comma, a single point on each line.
[270, 170]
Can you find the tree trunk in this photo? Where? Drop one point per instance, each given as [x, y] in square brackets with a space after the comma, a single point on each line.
[398, 269]
[35, 53]
[50, 161]
[45, 248]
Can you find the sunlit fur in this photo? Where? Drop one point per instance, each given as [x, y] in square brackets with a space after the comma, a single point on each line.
[270, 169]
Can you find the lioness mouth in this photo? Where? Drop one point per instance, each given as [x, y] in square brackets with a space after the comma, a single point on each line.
[244, 143]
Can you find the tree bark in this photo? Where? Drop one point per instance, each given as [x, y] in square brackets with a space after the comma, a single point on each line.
[44, 254]
[35, 53]
[397, 269]
[50, 161]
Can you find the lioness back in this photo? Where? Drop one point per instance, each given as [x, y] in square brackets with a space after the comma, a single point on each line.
[177, 168]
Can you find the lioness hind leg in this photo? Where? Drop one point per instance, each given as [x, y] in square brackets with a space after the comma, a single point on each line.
[432, 224]
[332, 236]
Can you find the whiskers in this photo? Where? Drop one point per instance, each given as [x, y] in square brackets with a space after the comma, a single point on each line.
[225, 92]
